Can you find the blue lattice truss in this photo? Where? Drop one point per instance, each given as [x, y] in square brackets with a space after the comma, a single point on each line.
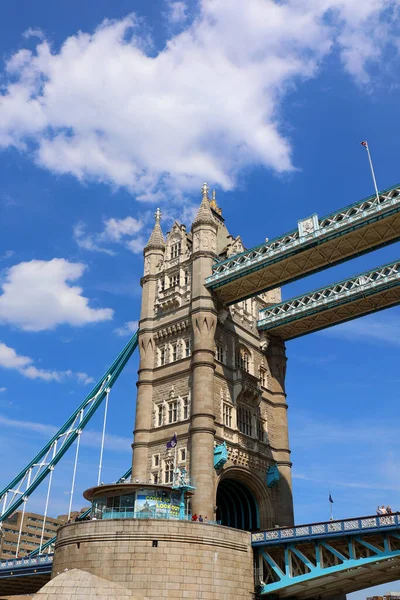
[22, 567]
[286, 559]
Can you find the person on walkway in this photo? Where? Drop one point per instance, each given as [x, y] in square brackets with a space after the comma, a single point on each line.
[378, 511]
[383, 510]
[194, 517]
[389, 510]
[200, 519]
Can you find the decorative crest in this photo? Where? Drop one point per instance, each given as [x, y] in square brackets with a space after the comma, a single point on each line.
[204, 190]
[157, 215]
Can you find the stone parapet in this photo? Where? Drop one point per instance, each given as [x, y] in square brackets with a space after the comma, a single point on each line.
[161, 559]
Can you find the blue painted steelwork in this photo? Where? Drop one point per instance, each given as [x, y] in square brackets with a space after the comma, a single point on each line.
[292, 556]
[273, 475]
[329, 529]
[81, 517]
[339, 223]
[342, 292]
[26, 482]
[20, 567]
[220, 455]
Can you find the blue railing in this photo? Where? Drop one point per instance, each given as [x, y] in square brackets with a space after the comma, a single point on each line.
[327, 529]
[126, 513]
[24, 563]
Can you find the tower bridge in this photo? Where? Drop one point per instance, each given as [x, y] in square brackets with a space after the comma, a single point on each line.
[211, 430]
[343, 301]
[315, 245]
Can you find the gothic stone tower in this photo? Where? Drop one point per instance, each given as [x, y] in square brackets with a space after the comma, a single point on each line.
[206, 374]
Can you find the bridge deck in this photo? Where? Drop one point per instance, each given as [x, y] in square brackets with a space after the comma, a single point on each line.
[25, 575]
[345, 234]
[323, 559]
[340, 302]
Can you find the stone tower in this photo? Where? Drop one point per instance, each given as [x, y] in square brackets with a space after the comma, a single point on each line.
[206, 375]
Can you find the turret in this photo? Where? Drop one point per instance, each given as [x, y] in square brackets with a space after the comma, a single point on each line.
[204, 321]
[153, 255]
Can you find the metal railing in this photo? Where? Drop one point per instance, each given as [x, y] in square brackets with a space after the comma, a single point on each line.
[365, 282]
[329, 528]
[351, 215]
[19, 563]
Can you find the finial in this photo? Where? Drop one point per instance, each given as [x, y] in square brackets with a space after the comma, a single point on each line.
[157, 215]
[214, 195]
[205, 189]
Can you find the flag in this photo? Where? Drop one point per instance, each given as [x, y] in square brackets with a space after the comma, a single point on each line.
[172, 442]
[365, 144]
[330, 498]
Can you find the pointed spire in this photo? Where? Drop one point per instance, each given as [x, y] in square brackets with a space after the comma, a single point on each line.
[204, 214]
[156, 239]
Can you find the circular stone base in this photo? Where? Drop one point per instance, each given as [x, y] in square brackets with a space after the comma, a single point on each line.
[161, 559]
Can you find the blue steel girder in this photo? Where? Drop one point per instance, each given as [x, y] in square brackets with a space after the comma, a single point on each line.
[339, 302]
[324, 559]
[27, 481]
[352, 231]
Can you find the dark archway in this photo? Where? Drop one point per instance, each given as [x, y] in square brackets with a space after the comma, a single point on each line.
[237, 506]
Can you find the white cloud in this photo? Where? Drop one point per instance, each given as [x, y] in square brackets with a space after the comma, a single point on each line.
[206, 106]
[177, 12]
[3, 389]
[116, 231]
[33, 32]
[89, 437]
[37, 296]
[8, 254]
[88, 241]
[127, 328]
[9, 359]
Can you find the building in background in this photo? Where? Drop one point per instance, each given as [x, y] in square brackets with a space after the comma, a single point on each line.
[31, 533]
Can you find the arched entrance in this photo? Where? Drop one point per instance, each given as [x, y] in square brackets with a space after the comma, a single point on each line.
[236, 505]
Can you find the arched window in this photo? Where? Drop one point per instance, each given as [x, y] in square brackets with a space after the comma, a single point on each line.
[243, 359]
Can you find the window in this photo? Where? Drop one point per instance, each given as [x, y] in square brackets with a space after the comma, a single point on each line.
[260, 430]
[185, 407]
[175, 250]
[227, 410]
[159, 415]
[174, 280]
[169, 471]
[182, 455]
[155, 478]
[162, 357]
[173, 412]
[156, 460]
[188, 347]
[174, 352]
[263, 377]
[186, 277]
[244, 420]
[220, 353]
[243, 359]
[162, 285]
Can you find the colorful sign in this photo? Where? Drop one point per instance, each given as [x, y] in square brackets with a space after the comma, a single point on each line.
[157, 503]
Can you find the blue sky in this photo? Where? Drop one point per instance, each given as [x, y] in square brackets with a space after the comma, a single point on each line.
[111, 109]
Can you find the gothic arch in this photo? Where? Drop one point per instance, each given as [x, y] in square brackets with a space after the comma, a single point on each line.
[245, 498]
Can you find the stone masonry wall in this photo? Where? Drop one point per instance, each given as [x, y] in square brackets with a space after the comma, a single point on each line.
[161, 559]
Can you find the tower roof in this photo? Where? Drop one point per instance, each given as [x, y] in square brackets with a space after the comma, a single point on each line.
[204, 214]
[156, 239]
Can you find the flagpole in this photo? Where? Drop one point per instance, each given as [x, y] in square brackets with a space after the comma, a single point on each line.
[175, 456]
[365, 144]
[331, 506]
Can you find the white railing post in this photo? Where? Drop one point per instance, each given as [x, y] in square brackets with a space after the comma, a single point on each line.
[23, 515]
